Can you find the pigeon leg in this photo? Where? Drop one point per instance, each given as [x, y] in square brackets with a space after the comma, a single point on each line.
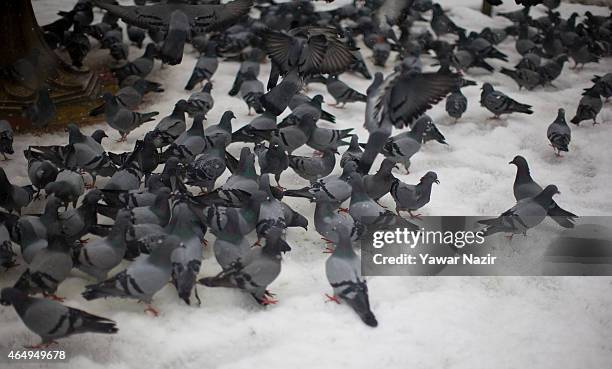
[83, 241]
[152, 310]
[41, 345]
[204, 243]
[328, 250]
[53, 297]
[333, 298]
[343, 210]
[257, 243]
[414, 216]
[595, 121]
[267, 301]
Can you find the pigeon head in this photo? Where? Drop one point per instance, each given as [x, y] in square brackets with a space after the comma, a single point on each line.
[12, 296]
[519, 161]
[98, 135]
[207, 87]
[181, 105]
[430, 177]
[487, 87]
[561, 115]
[317, 100]
[226, 120]
[93, 196]
[544, 198]
[387, 166]
[437, 9]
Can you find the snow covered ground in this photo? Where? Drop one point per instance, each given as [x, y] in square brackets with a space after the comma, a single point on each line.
[424, 322]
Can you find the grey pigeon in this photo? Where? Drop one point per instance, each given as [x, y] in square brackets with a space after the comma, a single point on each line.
[413, 197]
[34, 231]
[589, 106]
[102, 255]
[177, 33]
[86, 153]
[271, 214]
[323, 139]
[42, 111]
[552, 69]
[379, 184]
[41, 172]
[142, 279]
[140, 67]
[6, 139]
[272, 159]
[8, 256]
[255, 271]
[381, 52]
[221, 131]
[402, 147]
[251, 91]
[432, 133]
[524, 77]
[295, 136]
[12, 197]
[119, 51]
[171, 127]
[441, 23]
[122, 119]
[526, 214]
[251, 63]
[277, 99]
[136, 35]
[559, 133]
[234, 220]
[68, 187]
[205, 67]
[342, 93]
[201, 102]
[329, 219]
[301, 104]
[524, 187]
[352, 153]
[158, 213]
[456, 104]
[48, 269]
[187, 258]
[499, 103]
[77, 222]
[332, 188]
[228, 247]
[204, 170]
[51, 320]
[604, 84]
[343, 270]
[257, 130]
[189, 144]
[129, 97]
[314, 168]
[125, 179]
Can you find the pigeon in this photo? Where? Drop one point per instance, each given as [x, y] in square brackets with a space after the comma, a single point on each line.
[142, 279]
[51, 320]
[332, 188]
[42, 111]
[189, 144]
[524, 77]
[119, 51]
[140, 67]
[228, 247]
[170, 127]
[413, 197]
[251, 63]
[277, 99]
[122, 119]
[125, 179]
[34, 231]
[77, 222]
[379, 184]
[323, 139]
[402, 147]
[552, 69]
[7, 255]
[559, 133]
[187, 258]
[581, 54]
[158, 213]
[251, 91]
[499, 103]
[272, 159]
[205, 67]
[128, 97]
[201, 102]
[204, 170]
[604, 84]
[295, 136]
[329, 218]
[353, 152]
[12, 197]
[77, 44]
[257, 130]
[301, 104]
[177, 33]
[381, 52]
[314, 168]
[41, 172]
[343, 270]
[271, 214]
[589, 106]
[6, 139]
[526, 214]
[68, 187]
[50, 266]
[456, 104]
[441, 24]
[87, 153]
[102, 255]
[525, 187]
[234, 220]
[432, 133]
[136, 35]
[254, 271]
[342, 93]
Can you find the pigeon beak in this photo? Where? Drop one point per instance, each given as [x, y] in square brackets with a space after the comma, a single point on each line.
[396, 167]
[558, 192]
[437, 181]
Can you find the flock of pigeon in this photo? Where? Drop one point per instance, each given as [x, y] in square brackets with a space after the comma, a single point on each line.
[159, 222]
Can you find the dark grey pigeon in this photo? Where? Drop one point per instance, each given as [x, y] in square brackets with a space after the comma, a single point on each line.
[343, 270]
[201, 102]
[122, 119]
[33, 232]
[177, 33]
[42, 111]
[402, 147]
[498, 103]
[526, 214]
[524, 77]
[332, 188]
[456, 104]
[301, 104]
[171, 127]
[256, 270]
[257, 130]
[271, 214]
[352, 153]
[295, 136]
[143, 278]
[12, 197]
[77, 222]
[204, 170]
[189, 144]
[442, 24]
[128, 97]
[379, 184]
[251, 91]
[381, 52]
[589, 106]
[8, 257]
[277, 99]
[205, 67]
[524, 187]
[272, 159]
[559, 133]
[51, 320]
[6, 139]
[413, 197]
[314, 168]
[68, 187]
[41, 172]
[552, 69]
[604, 84]
[250, 63]
[140, 67]
[228, 247]
[342, 93]
[221, 131]
[234, 220]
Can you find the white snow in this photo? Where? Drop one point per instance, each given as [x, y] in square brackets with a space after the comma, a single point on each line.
[424, 322]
